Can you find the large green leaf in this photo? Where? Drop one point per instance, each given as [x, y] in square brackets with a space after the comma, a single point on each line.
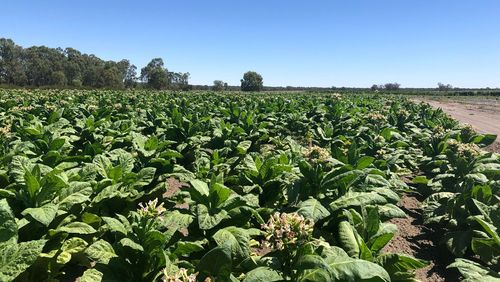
[474, 272]
[263, 274]
[315, 268]
[355, 199]
[313, 209]
[100, 251]
[346, 237]
[77, 228]
[44, 214]
[16, 258]
[115, 225]
[199, 191]
[8, 226]
[216, 263]
[76, 193]
[209, 219]
[237, 239]
[395, 263]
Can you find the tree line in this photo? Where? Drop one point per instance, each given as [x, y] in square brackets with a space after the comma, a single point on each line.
[39, 66]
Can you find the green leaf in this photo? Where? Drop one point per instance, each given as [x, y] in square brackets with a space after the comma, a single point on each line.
[390, 211]
[372, 222]
[384, 234]
[199, 190]
[313, 209]
[364, 162]
[486, 249]
[378, 242]
[16, 258]
[420, 180]
[8, 226]
[92, 275]
[57, 144]
[358, 270]
[394, 263]
[100, 251]
[76, 193]
[128, 243]
[186, 248]
[458, 241]
[473, 271]
[243, 147]
[74, 245]
[77, 228]
[63, 258]
[216, 263]
[489, 228]
[484, 139]
[44, 214]
[355, 199]
[207, 220]
[339, 268]
[313, 268]
[263, 274]
[346, 238]
[32, 184]
[219, 194]
[115, 225]
[144, 177]
[237, 239]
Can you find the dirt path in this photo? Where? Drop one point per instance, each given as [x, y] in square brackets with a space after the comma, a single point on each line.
[421, 242]
[482, 115]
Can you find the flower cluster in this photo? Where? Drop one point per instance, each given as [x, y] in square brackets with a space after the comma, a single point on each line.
[376, 117]
[337, 96]
[316, 154]
[403, 113]
[92, 107]
[379, 139]
[50, 107]
[439, 130]
[23, 108]
[467, 131]
[151, 209]
[467, 150]
[5, 130]
[287, 230]
[179, 276]
[381, 152]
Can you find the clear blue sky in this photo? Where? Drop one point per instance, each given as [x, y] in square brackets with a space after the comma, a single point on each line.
[300, 43]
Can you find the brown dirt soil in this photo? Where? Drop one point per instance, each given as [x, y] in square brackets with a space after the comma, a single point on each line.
[421, 242]
[482, 114]
[173, 186]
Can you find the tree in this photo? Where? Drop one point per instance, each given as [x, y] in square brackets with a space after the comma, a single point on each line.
[40, 66]
[111, 76]
[251, 81]
[374, 87]
[444, 87]
[130, 79]
[219, 85]
[155, 75]
[58, 78]
[392, 86]
[11, 65]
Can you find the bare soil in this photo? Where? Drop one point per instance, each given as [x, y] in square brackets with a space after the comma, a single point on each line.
[414, 239]
[483, 114]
